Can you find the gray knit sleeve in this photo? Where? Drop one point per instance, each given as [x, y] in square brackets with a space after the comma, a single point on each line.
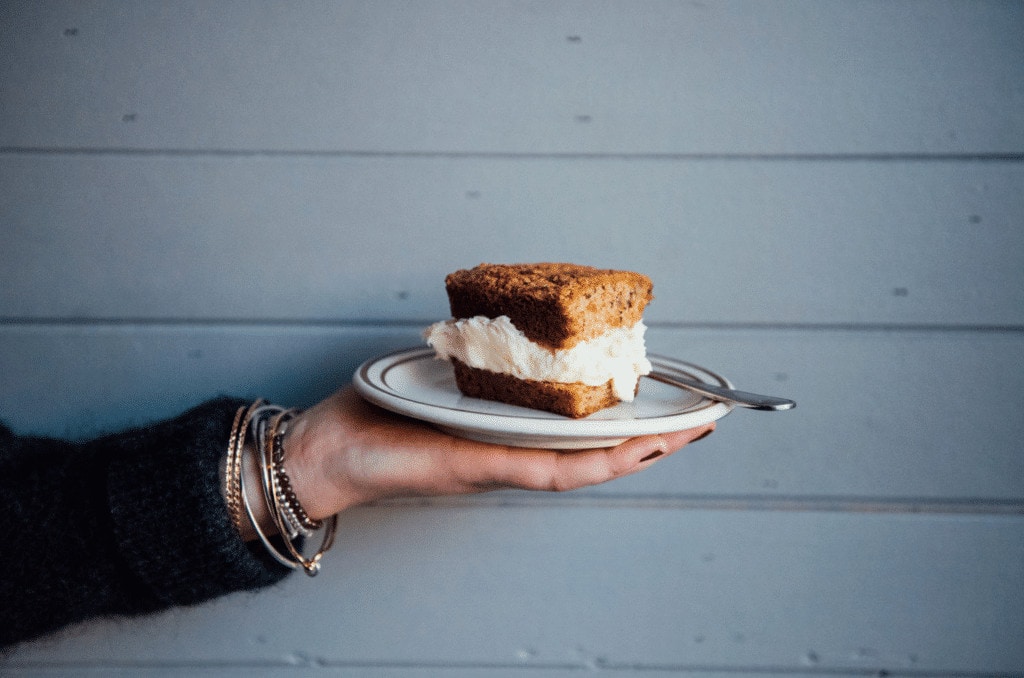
[125, 524]
[169, 517]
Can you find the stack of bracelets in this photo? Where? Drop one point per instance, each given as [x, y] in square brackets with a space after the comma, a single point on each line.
[265, 426]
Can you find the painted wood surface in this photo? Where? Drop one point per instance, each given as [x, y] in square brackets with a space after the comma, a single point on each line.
[905, 417]
[198, 198]
[650, 76]
[726, 241]
[363, 671]
[643, 589]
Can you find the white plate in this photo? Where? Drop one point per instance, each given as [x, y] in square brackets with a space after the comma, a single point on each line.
[415, 383]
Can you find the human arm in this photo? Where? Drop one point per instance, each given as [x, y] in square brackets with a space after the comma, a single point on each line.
[344, 452]
[137, 521]
[127, 523]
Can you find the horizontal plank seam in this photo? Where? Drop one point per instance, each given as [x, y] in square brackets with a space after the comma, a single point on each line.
[734, 502]
[512, 155]
[880, 670]
[370, 323]
[598, 664]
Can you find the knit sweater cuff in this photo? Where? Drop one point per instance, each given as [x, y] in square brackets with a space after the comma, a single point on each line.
[169, 514]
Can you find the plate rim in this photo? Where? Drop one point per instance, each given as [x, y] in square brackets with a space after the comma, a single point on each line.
[533, 428]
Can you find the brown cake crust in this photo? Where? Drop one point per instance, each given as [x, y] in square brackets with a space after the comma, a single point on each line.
[554, 304]
[570, 400]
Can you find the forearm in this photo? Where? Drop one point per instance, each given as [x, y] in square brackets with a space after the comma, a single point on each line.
[125, 524]
[60, 560]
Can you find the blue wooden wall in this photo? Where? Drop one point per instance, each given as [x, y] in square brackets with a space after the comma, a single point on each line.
[253, 198]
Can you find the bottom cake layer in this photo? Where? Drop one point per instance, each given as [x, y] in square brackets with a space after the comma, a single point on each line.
[570, 400]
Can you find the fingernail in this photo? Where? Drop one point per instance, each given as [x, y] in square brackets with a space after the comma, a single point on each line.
[704, 435]
[652, 455]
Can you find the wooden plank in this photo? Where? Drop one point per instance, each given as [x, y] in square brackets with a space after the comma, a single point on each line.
[77, 381]
[879, 414]
[907, 417]
[363, 671]
[618, 588]
[791, 76]
[372, 238]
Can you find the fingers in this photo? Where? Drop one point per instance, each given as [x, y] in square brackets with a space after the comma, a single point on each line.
[377, 454]
[667, 443]
[639, 453]
[560, 471]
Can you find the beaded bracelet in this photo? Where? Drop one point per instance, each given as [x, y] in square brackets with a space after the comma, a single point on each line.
[296, 521]
[271, 472]
[296, 515]
[267, 425]
[271, 494]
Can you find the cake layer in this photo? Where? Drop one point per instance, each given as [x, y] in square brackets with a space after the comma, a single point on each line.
[570, 400]
[555, 305]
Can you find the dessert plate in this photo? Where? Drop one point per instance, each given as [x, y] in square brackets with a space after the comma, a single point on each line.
[413, 382]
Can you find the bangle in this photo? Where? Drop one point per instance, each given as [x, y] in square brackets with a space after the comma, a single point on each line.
[295, 513]
[267, 425]
[232, 465]
[277, 513]
[272, 494]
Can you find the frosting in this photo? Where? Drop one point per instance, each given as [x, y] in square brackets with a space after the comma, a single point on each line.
[497, 345]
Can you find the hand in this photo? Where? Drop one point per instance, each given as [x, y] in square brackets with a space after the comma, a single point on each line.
[344, 452]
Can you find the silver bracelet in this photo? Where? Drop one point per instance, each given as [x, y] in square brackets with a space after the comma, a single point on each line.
[267, 425]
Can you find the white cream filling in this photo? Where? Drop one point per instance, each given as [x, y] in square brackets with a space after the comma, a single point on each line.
[497, 345]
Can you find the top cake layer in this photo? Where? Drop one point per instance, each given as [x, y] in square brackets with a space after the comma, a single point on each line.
[553, 304]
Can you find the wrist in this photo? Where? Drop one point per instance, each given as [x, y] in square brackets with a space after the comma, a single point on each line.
[262, 489]
[299, 467]
[254, 498]
[310, 450]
